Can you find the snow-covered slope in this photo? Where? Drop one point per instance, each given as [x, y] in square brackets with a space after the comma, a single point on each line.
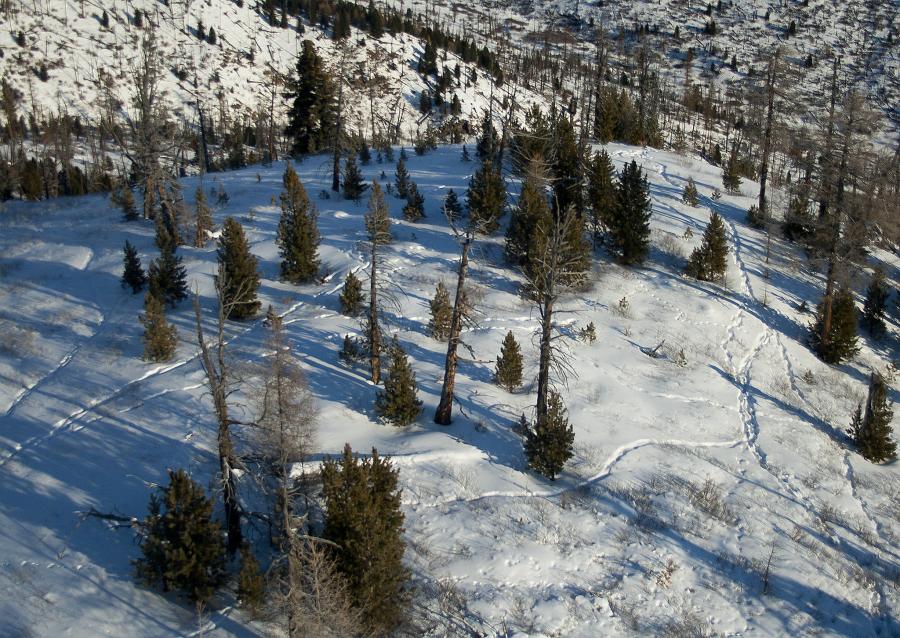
[687, 478]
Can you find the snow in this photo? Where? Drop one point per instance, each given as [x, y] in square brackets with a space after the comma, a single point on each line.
[85, 423]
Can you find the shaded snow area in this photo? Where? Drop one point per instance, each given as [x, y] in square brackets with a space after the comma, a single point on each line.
[691, 474]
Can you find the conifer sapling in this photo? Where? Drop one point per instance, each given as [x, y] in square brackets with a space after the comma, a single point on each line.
[398, 403]
[132, 274]
[351, 297]
[549, 444]
[160, 337]
[441, 313]
[509, 364]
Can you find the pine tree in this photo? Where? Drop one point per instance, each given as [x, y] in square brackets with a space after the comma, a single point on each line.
[549, 445]
[441, 313]
[873, 436]
[414, 210]
[132, 274]
[709, 261]
[486, 148]
[251, 591]
[452, 207]
[354, 186]
[731, 179]
[689, 195]
[203, 223]
[364, 520]
[398, 403]
[160, 337]
[378, 229]
[351, 296]
[875, 305]
[509, 364]
[166, 235]
[601, 190]
[401, 182]
[630, 226]
[298, 232]
[167, 278]
[465, 157]
[567, 175]
[126, 202]
[182, 545]
[841, 343]
[531, 208]
[312, 116]
[487, 197]
[239, 268]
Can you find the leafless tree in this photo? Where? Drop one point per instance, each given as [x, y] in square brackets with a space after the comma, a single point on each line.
[378, 228]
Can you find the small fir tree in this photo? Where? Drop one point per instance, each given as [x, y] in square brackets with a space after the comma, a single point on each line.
[689, 195]
[351, 296]
[709, 261]
[401, 181]
[166, 236]
[398, 403]
[167, 277]
[486, 197]
[549, 445]
[203, 223]
[841, 341]
[452, 207]
[354, 186]
[875, 305]
[441, 313]
[160, 337]
[509, 364]
[182, 548]
[251, 590]
[298, 232]
[731, 178]
[630, 226]
[364, 520]
[414, 210]
[872, 433]
[239, 268]
[126, 202]
[132, 274]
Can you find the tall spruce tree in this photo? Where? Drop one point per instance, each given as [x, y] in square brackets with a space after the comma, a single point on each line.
[132, 273]
[398, 403]
[568, 181]
[601, 192]
[298, 232]
[203, 221]
[441, 313]
[872, 434]
[731, 178]
[167, 277]
[401, 180]
[875, 305]
[529, 210]
[182, 548]
[351, 296]
[354, 186]
[239, 270]
[549, 444]
[160, 337]
[841, 342]
[488, 143]
[312, 117]
[630, 227]
[509, 364]
[486, 197]
[364, 520]
[709, 261]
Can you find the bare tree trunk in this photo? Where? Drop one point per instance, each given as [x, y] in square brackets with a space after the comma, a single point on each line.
[374, 331]
[546, 312]
[771, 75]
[443, 414]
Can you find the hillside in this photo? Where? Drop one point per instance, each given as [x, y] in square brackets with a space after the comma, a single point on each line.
[695, 473]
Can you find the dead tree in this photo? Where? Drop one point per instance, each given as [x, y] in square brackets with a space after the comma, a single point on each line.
[771, 81]
[378, 228]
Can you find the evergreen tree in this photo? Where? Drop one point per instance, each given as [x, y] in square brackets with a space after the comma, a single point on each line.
[251, 591]
[549, 445]
[731, 179]
[298, 232]
[402, 179]
[689, 195]
[875, 305]
[465, 157]
[354, 186]
[126, 202]
[452, 207]
[363, 518]
[133, 275]
[414, 210]
[486, 148]
[203, 224]
[841, 342]
[486, 197]
[239, 269]
[709, 261]
[567, 175]
[182, 545]
[509, 364]
[160, 337]
[351, 296]
[873, 435]
[398, 403]
[166, 235]
[630, 226]
[441, 313]
[375, 20]
[167, 277]
[601, 190]
[312, 116]
[530, 209]
[365, 155]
